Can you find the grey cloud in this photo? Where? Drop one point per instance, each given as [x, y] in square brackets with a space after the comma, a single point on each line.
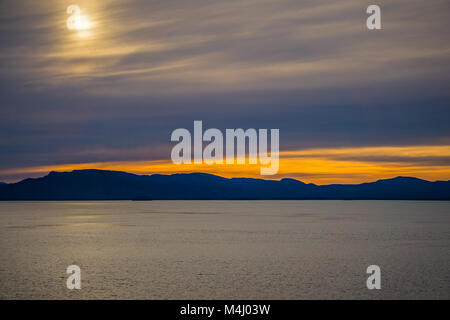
[310, 68]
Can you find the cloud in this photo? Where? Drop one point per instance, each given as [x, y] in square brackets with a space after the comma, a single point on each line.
[310, 68]
[207, 46]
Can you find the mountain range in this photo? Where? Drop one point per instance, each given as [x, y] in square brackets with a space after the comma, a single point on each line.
[95, 184]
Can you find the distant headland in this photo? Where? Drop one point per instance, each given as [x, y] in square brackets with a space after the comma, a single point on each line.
[95, 184]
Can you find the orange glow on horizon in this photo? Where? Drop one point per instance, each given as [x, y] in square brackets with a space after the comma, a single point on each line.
[319, 166]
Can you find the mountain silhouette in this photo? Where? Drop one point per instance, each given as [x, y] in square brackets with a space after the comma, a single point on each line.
[95, 184]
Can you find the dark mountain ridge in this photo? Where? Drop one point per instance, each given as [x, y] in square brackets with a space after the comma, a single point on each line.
[95, 184]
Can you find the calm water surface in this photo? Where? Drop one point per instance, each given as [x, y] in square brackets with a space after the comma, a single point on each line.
[225, 249]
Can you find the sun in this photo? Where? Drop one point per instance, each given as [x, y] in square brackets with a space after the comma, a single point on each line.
[82, 23]
[76, 20]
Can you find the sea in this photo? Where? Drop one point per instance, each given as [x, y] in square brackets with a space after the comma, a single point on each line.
[225, 249]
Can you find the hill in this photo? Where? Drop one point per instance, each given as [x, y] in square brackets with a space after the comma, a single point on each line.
[115, 185]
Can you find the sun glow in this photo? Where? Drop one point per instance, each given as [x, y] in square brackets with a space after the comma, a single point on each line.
[77, 21]
[320, 166]
[82, 23]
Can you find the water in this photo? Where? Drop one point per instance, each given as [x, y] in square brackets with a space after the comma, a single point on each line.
[225, 249]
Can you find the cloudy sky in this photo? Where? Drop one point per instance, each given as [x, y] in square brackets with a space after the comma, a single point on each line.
[351, 104]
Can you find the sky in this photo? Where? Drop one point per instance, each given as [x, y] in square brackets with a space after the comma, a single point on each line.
[352, 104]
